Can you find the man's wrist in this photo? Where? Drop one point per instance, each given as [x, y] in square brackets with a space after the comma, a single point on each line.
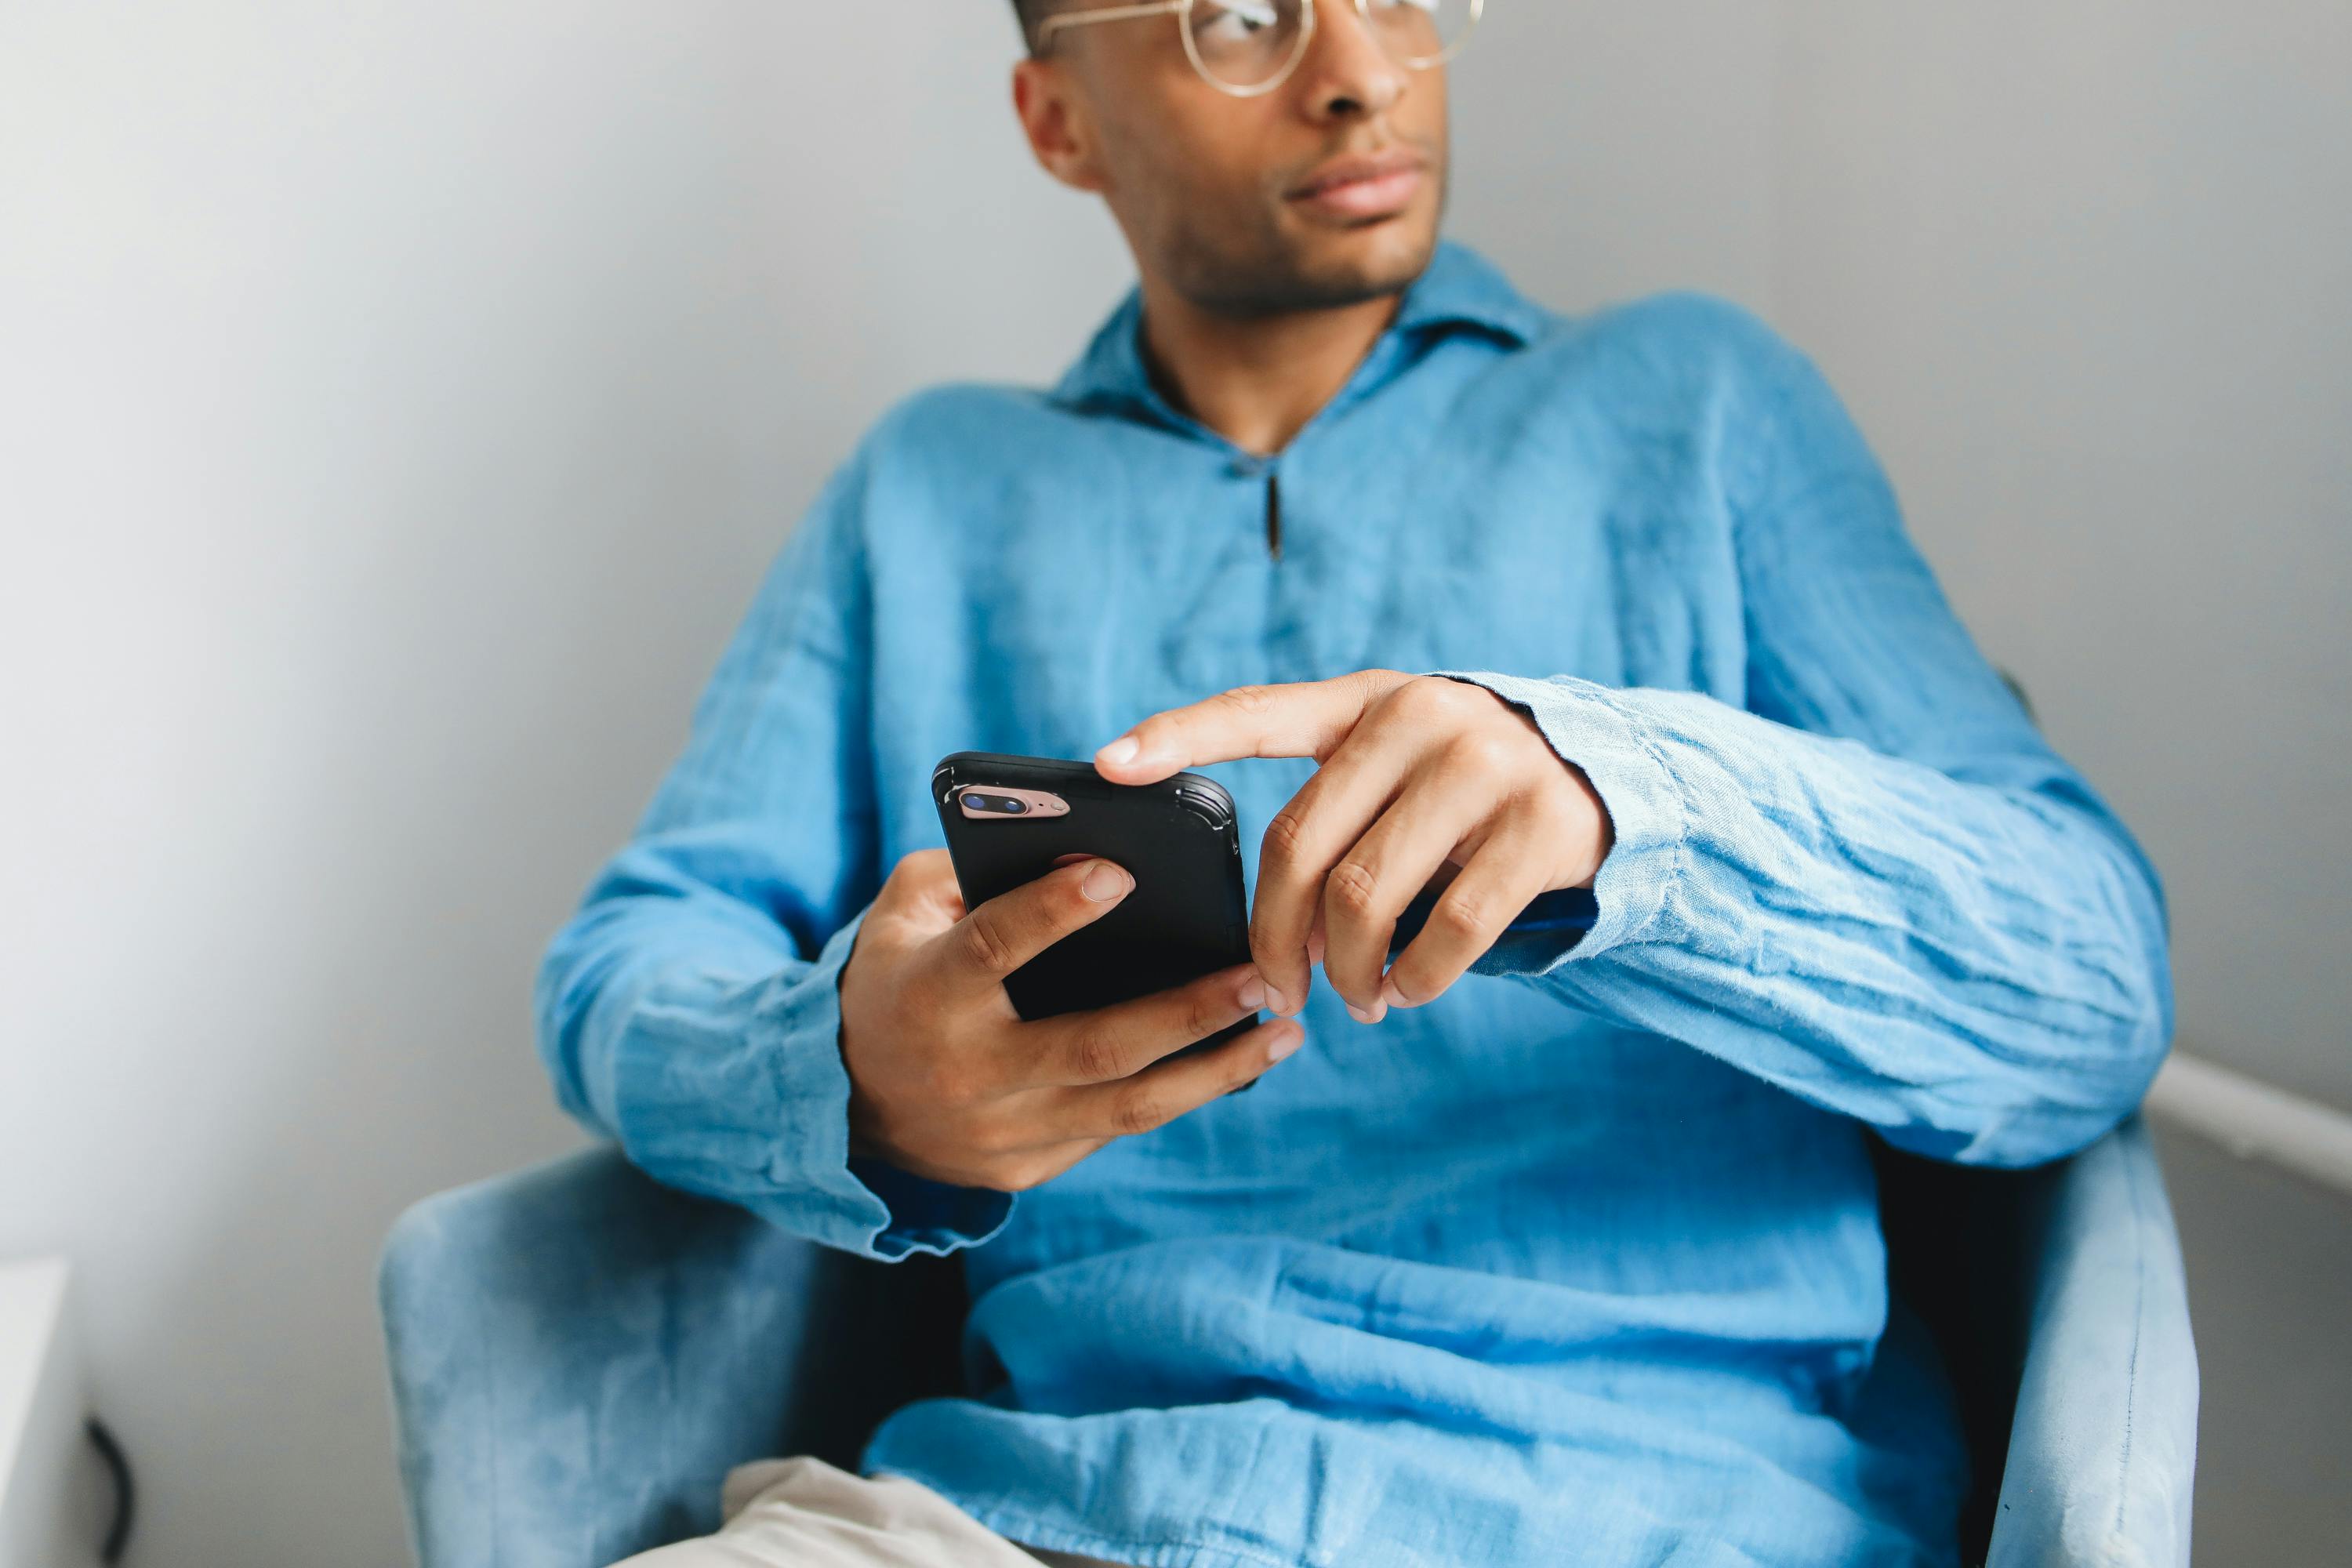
[1603, 831]
[1596, 732]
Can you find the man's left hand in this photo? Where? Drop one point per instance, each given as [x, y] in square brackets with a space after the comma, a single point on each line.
[1424, 780]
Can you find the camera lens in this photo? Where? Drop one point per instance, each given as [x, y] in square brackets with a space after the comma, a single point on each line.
[1000, 804]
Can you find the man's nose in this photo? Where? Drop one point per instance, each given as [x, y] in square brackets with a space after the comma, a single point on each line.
[1347, 72]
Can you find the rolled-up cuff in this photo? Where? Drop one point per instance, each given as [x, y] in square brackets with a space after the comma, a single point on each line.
[1647, 814]
[763, 1121]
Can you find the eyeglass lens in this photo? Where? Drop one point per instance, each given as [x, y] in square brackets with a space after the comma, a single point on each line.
[1248, 43]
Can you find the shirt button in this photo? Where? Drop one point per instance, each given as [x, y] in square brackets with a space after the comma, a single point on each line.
[1246, 468]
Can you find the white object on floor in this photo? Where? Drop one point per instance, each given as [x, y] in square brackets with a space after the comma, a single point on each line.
[2254, 1120]
[47, 1517]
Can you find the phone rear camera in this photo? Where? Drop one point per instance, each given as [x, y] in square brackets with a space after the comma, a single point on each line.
[1002, 804]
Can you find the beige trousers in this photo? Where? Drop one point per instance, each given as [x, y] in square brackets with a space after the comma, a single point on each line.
[803, 1514]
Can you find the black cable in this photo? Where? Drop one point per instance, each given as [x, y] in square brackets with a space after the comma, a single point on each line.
[126, 1498]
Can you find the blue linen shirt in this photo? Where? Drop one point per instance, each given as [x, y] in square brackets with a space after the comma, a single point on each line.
[1582, 1261]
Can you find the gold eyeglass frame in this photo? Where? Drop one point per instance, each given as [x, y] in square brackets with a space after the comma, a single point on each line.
[1182, 10]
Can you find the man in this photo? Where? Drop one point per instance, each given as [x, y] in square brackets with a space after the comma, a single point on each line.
[1534, 1246]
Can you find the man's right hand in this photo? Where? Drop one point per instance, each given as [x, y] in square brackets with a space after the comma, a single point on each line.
[948, 1081]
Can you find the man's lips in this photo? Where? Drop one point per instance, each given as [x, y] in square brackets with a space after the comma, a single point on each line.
[1378, 185]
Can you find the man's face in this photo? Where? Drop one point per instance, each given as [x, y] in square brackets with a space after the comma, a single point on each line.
[1325, 192]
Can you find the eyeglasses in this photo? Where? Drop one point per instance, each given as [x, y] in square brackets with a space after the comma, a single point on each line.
[1247, 48]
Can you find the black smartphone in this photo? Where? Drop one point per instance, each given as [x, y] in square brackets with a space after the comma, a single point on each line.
[1010, 820]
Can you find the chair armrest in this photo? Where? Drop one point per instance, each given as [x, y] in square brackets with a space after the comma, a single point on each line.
[2102, 1447]
[578, 1356]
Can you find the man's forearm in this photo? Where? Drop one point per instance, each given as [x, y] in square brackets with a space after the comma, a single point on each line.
[1975, 966]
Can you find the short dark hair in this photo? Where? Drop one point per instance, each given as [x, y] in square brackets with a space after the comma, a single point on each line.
[1029, 13]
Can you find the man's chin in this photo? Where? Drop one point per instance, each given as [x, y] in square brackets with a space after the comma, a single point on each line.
[1330, 271]
[1377, 262]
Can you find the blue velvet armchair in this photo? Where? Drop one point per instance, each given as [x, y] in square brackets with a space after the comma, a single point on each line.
[579, 1355]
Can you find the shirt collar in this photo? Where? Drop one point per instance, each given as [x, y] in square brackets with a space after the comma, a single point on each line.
[1459, 289]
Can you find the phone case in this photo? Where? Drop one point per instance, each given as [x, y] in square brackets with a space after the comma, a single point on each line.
[1187, 915]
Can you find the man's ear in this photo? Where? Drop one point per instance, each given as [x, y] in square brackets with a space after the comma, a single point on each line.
[1060, 132]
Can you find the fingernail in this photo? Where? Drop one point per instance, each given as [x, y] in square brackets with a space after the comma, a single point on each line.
[1104, 882]
[1380, 1010]
[1252, 993]
[1390, 996]
[1120, 751]
[1277, 1001]
[1283, 1043]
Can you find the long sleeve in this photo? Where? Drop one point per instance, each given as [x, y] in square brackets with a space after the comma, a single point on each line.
[1874, 886]
[691, 1008]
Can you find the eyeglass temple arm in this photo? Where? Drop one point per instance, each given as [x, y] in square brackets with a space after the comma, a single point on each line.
[1109, 14]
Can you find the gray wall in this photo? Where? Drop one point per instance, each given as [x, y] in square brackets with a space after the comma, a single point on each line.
[2086, 270]
[397, 402]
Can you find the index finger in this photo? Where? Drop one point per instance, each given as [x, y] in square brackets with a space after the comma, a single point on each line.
[1306, 719]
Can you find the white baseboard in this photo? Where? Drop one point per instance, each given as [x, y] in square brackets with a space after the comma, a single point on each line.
[2255, 1121]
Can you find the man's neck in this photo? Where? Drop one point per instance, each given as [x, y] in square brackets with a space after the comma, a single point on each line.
[1257, 379]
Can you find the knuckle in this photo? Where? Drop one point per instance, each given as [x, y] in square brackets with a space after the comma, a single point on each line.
[1139, 1112]
[1427, 695]
[1461, 916]
[1094, 1055]
[1250, 701]
[1206, 1012]
[985, 944]
[1486, 754]
[1283, 835]
[1353, 889]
